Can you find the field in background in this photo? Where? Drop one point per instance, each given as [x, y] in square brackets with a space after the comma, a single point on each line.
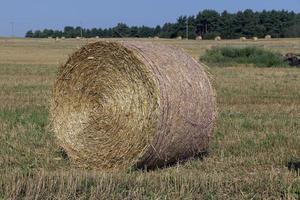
[255, 144]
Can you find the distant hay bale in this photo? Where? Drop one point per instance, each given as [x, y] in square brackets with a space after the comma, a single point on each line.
[78, 38]
[243, 39]
[179, 38]
[50, 37]
[268, 37]
[156, 38]
[128, 104]
[63, 38]
[255, 38]
[218, 38]
[199, 37]
[57, 39]
[97, 37]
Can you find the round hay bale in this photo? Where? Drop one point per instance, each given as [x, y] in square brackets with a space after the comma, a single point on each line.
[63, 38]
[156, 38]
[179, 38]
[268, 37]
[218, 38]
[117, 105]
[255, 38]
[243, 39]
[199, 37]
[97, 37]
[78, 38]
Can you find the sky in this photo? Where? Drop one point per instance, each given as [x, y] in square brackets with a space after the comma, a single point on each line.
[24, 15]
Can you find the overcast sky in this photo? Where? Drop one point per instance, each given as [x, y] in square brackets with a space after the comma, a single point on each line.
[55, 14]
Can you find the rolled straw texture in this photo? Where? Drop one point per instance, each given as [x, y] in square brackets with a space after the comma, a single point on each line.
[117, 105]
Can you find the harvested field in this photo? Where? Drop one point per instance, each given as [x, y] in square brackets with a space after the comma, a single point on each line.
[254, 152]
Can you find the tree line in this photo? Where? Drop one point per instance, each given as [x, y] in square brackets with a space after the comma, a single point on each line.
[207, 23]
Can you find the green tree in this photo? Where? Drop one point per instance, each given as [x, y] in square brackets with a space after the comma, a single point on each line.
[207, 23]
[157, 30]
[69, 32]
[29, 34]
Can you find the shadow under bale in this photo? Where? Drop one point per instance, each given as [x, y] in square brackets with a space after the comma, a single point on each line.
[122, 104]
[199, 156]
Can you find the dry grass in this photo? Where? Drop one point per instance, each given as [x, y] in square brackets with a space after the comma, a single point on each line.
[256, 140]
[45, 51]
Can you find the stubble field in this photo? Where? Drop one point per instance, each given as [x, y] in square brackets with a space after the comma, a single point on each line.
[254, 153]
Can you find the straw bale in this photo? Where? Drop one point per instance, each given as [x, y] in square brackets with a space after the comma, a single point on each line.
[268, 37]
[218, 38]
[128, 104]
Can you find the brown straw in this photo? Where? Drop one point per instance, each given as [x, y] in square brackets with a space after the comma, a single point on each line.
[121, 104]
